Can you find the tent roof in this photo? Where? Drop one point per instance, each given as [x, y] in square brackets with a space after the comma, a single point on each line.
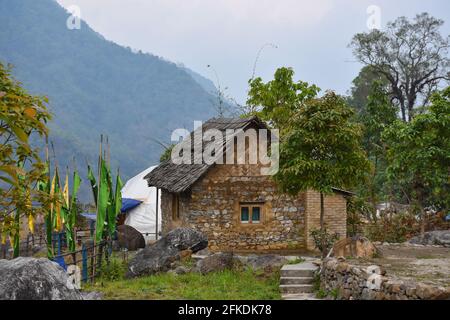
[137, 188]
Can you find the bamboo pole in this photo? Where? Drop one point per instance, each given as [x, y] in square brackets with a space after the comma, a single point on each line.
[98, 212]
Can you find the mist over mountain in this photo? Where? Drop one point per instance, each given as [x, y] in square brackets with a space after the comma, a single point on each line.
[97, 87]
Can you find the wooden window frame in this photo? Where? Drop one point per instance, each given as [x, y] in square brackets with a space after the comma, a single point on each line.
[175, 206]
[250, 207]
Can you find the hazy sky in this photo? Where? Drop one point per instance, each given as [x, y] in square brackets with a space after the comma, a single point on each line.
[311, 36]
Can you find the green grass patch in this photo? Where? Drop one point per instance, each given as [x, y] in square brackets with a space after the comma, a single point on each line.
[226, 285]
[296, 261]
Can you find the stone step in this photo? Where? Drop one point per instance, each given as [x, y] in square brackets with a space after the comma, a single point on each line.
[305, 269]
[296, 288]
[296, 280]
[299, 296]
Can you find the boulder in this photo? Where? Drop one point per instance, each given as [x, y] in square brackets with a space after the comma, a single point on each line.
[216, 262]
[92, 295]
[181, 270]
[439, 237]
[35, 279]
[128, 237]
[358, 247]
[265, 261]
[159, 256]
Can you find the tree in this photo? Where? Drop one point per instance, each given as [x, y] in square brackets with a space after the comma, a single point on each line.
[21, 115]
[362, 86]
[419, 156]
[411, 55]
[377, 115]
[278, 100]
[322, 149]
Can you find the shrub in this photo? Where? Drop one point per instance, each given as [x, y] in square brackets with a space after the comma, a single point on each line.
[113, 271]
[396, 228]
[323, 240]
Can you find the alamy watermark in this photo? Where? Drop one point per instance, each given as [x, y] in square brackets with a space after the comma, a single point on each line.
[73, 22]
[232, 146]
[374, 19]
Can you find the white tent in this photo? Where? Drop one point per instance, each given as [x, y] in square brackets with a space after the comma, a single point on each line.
[142, 217]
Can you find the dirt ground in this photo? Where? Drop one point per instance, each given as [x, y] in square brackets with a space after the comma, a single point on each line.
[429, 265]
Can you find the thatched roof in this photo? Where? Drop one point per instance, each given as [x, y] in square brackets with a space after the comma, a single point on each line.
[180, 177]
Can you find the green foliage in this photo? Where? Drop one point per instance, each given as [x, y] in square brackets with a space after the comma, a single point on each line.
[322, 148]
[362, 86]
[419, 155]
[357, 209]
[376, 116]
[393, 228]
[21, 116]
[278, 100]
[226, 285]
[113, 271]
[323, 240]
[166, 155]
[296, 261]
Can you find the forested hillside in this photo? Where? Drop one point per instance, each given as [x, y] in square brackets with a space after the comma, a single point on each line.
[95, 86]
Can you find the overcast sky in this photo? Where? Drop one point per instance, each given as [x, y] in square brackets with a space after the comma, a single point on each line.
[311, 36]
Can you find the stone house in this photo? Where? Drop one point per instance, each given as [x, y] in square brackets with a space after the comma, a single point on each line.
[236, 206]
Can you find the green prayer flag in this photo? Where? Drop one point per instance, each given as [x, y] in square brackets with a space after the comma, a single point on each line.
[102, 203]
[116, 205]
[72, 212]
[94, 185]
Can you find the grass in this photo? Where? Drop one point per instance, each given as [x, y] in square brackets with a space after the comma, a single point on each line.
[296, 261]
[226, 285]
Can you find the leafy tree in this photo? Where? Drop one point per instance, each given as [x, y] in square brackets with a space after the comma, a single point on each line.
[21, 115]
[322, 149]
[320, 143]
[412, 56]
[278, 100]
[419, 155]
[377, 115]
[362, 86]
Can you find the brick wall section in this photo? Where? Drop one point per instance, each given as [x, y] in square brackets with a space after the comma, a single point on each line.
[335, 216]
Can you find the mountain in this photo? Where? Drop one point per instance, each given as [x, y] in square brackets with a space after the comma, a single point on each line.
[97, 87]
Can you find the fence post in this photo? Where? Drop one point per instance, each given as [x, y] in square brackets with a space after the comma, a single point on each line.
[84, 263]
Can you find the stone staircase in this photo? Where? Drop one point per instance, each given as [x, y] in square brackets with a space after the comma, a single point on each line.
[296, 281]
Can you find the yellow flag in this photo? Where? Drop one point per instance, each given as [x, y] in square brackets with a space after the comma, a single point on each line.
[31, 223]
[66, 196]
[3, 234]
[11, 240]
[52, 193]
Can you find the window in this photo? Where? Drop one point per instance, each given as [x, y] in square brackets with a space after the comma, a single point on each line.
[175, 207]
[251, 213]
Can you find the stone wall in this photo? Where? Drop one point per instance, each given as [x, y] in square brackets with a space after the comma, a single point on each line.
[213, 207]
[348, 282]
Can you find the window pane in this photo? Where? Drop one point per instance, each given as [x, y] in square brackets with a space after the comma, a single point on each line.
[244, 214]
[256, 214]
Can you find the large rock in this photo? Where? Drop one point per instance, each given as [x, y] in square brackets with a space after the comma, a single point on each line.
[130, 238]
[216, 262]
[266, 261]
[35, 279]
[358, 247]
[440, 237]
[159, 256]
